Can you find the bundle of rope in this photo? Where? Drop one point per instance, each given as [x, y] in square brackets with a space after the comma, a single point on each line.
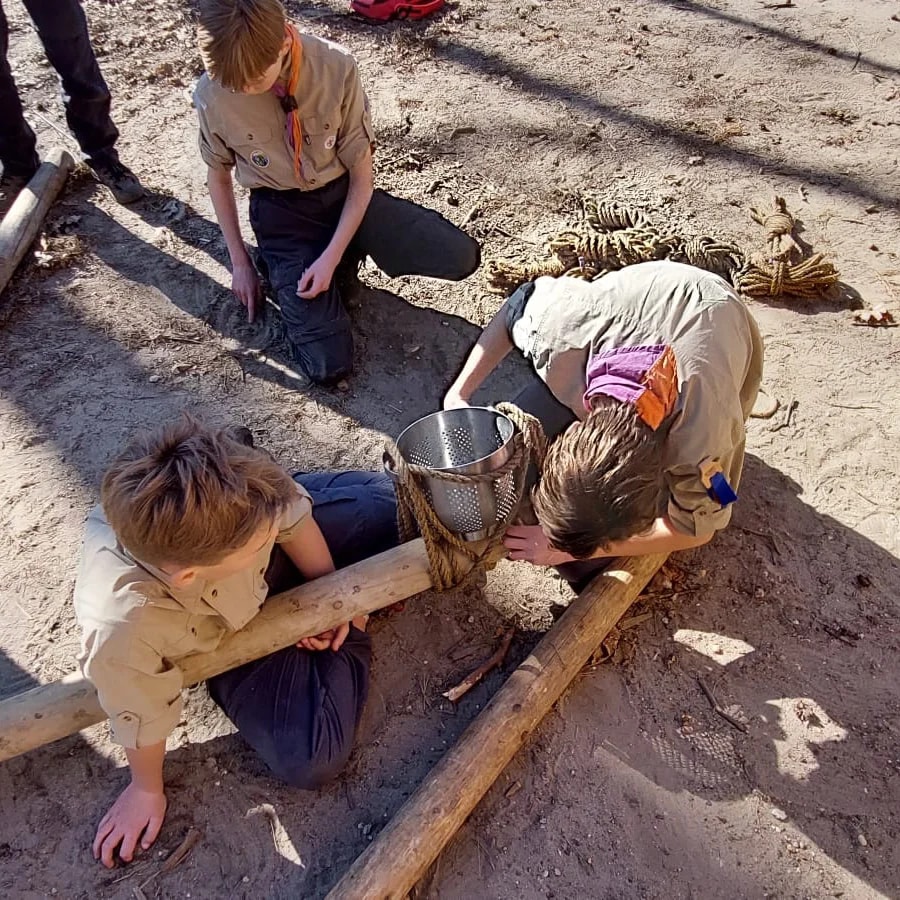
[452, 560]
[610, 236]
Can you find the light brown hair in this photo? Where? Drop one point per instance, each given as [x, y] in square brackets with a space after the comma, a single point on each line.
[186, 494]
[602, 480]
[239, 39]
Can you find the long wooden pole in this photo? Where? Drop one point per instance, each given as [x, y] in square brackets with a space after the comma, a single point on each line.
[413, 839]
[52, 711]
[23, 220]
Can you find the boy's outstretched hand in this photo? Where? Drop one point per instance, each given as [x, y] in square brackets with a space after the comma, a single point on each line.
[136, 812]
[530, 544]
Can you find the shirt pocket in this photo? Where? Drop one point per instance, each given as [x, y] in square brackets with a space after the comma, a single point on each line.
[255, 145]
[320, 134]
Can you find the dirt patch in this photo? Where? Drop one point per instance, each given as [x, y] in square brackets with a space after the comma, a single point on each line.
[499, 114]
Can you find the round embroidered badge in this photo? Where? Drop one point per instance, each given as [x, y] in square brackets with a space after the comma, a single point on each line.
[329, 141]
[259, 159]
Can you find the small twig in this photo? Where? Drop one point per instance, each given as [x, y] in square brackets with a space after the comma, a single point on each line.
[787, 419]
[476, 208]
[735, 723]
[474, 677]
[65, 134]
[174, 859]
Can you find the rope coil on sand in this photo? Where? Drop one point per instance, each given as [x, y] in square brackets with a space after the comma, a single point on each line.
[452, 560]
[610, 236]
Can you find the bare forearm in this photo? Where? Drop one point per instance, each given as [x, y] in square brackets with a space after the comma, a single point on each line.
[308, 551]
[146, 765]
[661, 538]
[359, 193]
[489, 351]
[221, 192]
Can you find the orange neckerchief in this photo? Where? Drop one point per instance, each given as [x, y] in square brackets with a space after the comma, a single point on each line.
[288, 97]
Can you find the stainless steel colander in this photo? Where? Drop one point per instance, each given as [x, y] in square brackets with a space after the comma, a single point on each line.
[470, 441]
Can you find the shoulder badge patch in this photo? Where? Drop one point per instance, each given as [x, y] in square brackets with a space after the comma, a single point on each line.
[329, 141]
[259, 159]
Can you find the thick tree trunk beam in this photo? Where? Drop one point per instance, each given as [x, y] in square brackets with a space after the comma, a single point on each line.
[22, 222]
[53, 711]
[390, 866]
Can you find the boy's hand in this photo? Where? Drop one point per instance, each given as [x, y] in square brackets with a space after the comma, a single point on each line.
[453, 400]
[529, 543]
[333, 638]
[246, 287]
[136, 812]
[317, 278]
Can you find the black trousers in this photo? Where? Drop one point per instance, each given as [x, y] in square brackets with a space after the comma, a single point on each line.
[62, 28]
[299, 709]
[292, 229]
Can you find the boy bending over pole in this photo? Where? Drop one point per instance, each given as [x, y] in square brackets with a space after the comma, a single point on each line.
[194, 529]
[646, 378]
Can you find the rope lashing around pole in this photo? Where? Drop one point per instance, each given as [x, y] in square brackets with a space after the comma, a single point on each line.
[609, 236]
[453, 560]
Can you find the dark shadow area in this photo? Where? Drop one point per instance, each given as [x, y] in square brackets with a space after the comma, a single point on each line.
[819, 613]
[858, 59]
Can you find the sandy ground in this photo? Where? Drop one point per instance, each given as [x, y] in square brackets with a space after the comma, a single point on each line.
[632, 787]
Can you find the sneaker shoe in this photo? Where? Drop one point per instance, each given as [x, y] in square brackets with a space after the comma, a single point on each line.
[121, 181]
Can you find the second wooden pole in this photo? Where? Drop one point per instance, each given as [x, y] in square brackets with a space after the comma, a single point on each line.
[413, 839]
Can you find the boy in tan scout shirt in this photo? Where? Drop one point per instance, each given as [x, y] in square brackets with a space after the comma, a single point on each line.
[194, 528]
[652, 372]
[287, 115]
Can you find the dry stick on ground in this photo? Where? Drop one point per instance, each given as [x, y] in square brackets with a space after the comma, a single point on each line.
[731, 720]
[414, 838]
[56, 710]
[22, 222]
[490, 663]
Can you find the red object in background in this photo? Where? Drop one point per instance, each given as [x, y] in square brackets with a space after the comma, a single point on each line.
[385, 10]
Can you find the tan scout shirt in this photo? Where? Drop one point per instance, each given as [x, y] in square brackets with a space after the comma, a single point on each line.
[247, 131]
[136, 625]
[718, 352]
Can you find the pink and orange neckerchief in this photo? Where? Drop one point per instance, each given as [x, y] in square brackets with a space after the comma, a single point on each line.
[288, 98]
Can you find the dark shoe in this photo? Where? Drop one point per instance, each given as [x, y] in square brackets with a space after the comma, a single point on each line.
[121, 181]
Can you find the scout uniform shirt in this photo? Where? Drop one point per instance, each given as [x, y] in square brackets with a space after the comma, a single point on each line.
[136, 625]
[247, 131]
[718, 357]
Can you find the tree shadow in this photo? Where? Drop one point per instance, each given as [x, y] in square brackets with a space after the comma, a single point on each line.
[811, 606]
[858, 58]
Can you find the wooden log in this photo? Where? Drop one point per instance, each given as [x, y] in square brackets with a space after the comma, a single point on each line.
[22, 222]
[52, 711]
[391, 865]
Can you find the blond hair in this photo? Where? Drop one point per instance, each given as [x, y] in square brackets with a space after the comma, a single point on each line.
[602, 480]
[186, 494]
[240, 39]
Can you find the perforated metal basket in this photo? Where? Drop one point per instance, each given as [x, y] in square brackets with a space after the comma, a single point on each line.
[469, 441]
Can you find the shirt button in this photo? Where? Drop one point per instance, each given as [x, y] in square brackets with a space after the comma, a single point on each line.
[262, 571]
[312, 180]
[327, 126]
[215, 593]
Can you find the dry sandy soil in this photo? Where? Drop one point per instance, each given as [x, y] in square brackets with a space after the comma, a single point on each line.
[632, 787]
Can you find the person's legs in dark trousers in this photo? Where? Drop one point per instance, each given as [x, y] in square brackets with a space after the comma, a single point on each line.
[62, 28]
[17, 141]
[404, 238]
[292, 229]
[299, 709]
